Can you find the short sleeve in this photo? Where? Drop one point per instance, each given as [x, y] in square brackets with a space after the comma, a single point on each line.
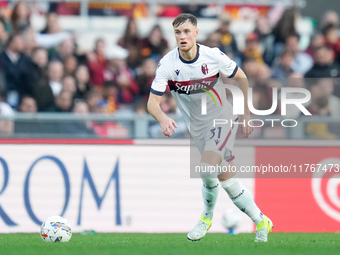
[160, 82]
[227, 66]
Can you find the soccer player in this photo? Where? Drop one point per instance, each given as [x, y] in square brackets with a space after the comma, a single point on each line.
[188, 69]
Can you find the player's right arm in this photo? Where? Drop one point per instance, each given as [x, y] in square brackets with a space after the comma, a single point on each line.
[167, 124]
[154, 103]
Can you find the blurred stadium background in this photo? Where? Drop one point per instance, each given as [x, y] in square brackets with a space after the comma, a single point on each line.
[76, 138]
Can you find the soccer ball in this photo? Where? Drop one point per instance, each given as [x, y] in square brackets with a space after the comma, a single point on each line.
[231, 220]
[56, 229]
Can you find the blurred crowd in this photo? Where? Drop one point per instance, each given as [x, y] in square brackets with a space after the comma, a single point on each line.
[45, 71]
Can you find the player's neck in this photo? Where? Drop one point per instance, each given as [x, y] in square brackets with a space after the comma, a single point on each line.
[190, 54]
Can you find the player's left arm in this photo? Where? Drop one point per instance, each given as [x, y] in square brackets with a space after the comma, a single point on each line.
[231, 70]
[243, 84]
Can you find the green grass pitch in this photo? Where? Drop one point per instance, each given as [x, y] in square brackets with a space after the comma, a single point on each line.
[159, 244]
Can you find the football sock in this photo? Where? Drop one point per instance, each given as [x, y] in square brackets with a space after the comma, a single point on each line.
[209, 193]
[242, 198]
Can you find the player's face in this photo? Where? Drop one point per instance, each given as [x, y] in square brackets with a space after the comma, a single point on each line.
[186, 34]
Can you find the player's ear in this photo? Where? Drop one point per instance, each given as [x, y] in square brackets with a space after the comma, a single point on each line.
[197, 32]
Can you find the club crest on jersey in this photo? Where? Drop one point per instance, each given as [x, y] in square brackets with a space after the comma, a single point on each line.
[204, 69]
[177, 72]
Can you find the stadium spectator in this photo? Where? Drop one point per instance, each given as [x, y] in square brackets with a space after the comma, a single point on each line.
[20, 15]
[229, 45]
[323, 87]
[65, 49]
[286, 26]
[117, 70]
[33, 39]
[40, 57]
[52, 24]
[266, 40]
[284, 66]
[252, 49]
[317, 41]
[69, 84]
[28, 36]
[101, 107]
[324, 65]
[316, 93]
[134, 60]
[319, 106]
[44, 93]
[327, 89]
[213, 40]
[70, 65]
[331, 39]
[63, 102]
[92, 98]
[263, 72]
[3, 36]
[80, 107]
[40, 62]
[82, 76]
[111, 94]
[131, 36]
[329, 18]
[250, 68]
[17, 69]
[96, 63]
[132, 41]
[6, 113]
[302, 62]
[146, 77]
[154, 45]
[55, 74]
[27, 104]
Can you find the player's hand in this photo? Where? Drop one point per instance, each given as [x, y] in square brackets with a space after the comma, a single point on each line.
[246, 129]
[167, 124]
